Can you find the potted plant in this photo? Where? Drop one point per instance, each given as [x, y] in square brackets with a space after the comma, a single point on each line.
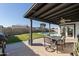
[78, 37]
[77, 47]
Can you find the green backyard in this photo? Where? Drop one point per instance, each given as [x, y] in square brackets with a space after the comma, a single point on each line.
[23, 37]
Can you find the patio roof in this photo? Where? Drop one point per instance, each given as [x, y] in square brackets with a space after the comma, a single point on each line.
[52, 12]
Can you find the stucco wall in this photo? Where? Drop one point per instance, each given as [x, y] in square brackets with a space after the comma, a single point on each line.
[76, 28]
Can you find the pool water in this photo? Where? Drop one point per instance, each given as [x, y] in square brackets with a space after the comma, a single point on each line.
[52, 33]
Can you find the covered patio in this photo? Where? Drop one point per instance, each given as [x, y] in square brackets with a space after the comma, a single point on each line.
[52, 13]
[24, 49]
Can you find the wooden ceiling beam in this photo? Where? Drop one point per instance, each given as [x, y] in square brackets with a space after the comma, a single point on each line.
[61, 11]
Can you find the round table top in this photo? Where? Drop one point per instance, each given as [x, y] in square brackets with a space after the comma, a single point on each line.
[55, 37]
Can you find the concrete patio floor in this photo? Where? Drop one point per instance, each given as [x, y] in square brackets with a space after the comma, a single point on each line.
[23, 49]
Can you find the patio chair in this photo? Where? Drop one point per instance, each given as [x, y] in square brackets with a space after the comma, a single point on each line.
[49, 44]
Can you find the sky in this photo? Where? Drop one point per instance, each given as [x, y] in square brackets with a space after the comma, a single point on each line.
[13, 14]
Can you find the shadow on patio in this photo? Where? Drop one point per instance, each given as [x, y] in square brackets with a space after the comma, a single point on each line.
[68, 48]
[19, 49]
[24, 49]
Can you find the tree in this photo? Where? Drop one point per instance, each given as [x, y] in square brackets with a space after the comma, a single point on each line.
[62, 23]
[42, 26]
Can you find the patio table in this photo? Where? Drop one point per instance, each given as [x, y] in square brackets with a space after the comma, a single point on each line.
[55, 40]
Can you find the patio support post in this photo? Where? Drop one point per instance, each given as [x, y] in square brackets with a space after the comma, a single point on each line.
[31, 40]
[49, 28]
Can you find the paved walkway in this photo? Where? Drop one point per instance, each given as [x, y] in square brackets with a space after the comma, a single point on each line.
[19, 49]
[23, 49]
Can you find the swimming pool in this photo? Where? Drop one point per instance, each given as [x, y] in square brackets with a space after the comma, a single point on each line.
[51, 33]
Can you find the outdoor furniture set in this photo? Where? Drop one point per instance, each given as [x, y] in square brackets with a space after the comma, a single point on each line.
[52, 43]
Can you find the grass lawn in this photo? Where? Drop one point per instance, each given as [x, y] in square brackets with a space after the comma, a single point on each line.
[22, 37]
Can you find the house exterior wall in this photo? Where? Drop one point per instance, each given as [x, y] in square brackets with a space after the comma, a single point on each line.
[58, 30]
[76, 28]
